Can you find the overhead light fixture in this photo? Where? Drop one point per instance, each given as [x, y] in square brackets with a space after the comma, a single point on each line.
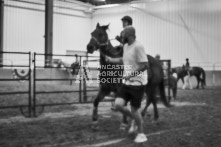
[89, 10]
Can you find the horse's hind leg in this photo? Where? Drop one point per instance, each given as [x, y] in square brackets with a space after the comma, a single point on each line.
[148, 101]
[154, 102]
[202, 84]
[198, 81]
[151, 99]
[151, 92]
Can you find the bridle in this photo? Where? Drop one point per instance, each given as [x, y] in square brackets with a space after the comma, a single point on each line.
[100, 44]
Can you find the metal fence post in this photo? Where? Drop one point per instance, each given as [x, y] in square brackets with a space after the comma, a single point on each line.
[34, 85]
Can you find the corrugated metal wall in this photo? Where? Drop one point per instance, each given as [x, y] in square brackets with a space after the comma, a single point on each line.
[174, 29]
[24, 28]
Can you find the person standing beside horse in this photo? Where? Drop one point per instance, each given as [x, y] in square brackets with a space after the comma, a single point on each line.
[187, 78]
[132, 89]
[126, 21]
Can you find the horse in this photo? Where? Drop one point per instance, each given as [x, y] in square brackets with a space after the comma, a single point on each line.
[199, 73]
[196, 71]
[180, 73]
[99, 41]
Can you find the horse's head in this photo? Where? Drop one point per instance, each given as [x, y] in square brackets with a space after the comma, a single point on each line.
[98, 39]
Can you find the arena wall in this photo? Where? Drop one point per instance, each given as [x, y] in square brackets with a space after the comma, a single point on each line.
[174, 29]
[24, 28]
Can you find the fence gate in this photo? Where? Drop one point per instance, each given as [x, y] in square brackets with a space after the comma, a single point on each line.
[62, 86]
[15, 79]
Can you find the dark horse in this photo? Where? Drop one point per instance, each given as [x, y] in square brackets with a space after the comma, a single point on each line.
[196, 71]
[180, 72]
[99, 40]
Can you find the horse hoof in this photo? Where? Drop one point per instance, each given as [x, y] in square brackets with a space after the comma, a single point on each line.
[94, 118]
[155, 120]
[95, 126]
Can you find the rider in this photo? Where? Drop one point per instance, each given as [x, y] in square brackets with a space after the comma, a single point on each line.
[126, 21]
[132, 89]
[187, 78]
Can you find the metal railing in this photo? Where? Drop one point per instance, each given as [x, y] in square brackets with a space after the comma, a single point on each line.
[24, 108]
[36, 80]
[30, 109]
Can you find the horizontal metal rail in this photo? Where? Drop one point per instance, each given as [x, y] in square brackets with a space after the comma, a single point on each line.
[14, 79]
[17, 106]
[54, 79]
[46, 92]
[12, 93]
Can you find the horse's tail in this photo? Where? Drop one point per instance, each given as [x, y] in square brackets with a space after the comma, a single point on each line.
[203, 77]
[163, 95]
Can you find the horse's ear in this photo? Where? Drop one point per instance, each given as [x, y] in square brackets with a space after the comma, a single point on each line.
[106, 27]
[98, 25]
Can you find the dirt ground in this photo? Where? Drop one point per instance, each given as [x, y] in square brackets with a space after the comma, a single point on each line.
[193, 122]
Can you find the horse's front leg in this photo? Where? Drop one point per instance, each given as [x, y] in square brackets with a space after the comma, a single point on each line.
[97, 100]
[154, 102]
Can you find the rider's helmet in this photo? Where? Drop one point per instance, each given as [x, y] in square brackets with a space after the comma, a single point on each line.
[127, 18]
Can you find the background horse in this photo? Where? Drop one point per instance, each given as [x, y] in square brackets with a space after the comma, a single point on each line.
[180, 72]
[199, 73]
[196, 71]
[99, 40]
